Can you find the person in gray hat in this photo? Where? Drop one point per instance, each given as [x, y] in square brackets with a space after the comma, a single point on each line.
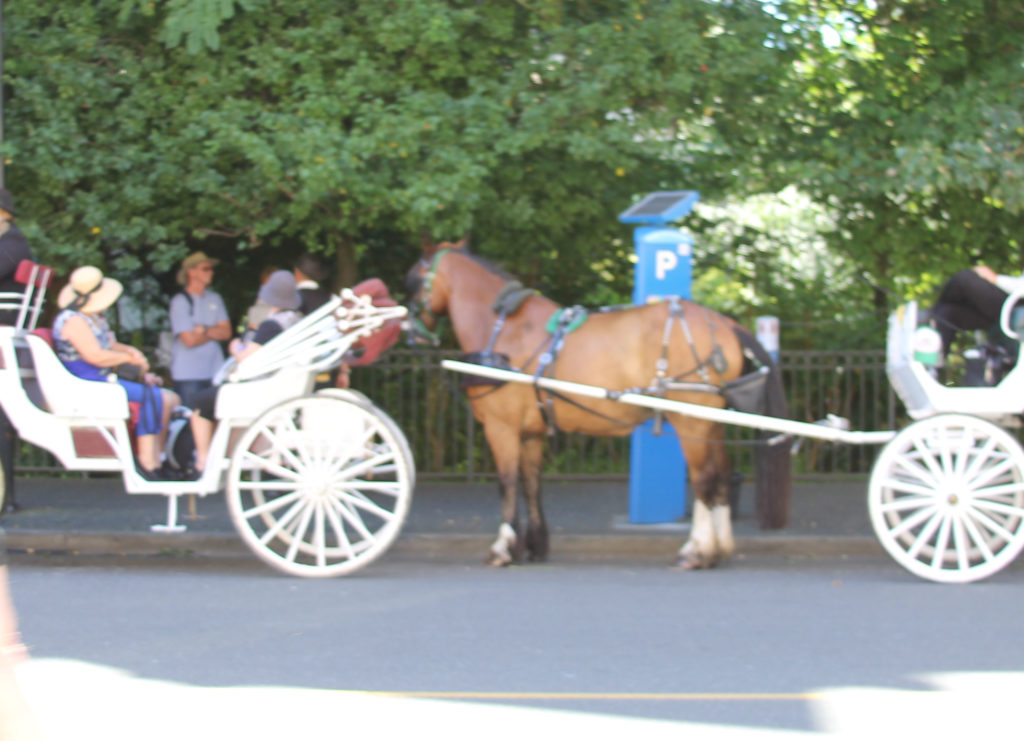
[13, 249]
[281, 294]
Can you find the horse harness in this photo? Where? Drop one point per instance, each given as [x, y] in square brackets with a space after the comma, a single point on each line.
[561, 324]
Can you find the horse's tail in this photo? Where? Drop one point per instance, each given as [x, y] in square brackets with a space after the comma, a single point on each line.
[772, 450]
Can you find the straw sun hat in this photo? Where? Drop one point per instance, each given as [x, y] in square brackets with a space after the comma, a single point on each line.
[88, 291]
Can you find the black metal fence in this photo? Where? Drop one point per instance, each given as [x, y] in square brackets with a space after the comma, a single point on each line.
[447, 442]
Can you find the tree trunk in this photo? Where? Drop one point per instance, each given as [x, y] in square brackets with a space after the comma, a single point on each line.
[880, 298]
[345, 262]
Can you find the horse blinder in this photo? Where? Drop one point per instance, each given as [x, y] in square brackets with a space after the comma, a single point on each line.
[418, 284]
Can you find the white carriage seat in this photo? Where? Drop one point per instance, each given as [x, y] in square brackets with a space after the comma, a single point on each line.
[28, 303]
[319, 341]
[305, 343]
[924, 396]
[287, 366]
[83, 423]
[64, 394]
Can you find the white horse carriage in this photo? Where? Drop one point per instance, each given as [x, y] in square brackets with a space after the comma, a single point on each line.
[318, 483]
[946, 493]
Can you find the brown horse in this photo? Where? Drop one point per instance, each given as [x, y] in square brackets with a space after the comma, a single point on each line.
[675, 349]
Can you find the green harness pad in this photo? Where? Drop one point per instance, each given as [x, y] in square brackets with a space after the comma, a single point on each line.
[576, 323]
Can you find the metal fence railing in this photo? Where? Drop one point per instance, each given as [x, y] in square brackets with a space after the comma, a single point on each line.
[447, 442]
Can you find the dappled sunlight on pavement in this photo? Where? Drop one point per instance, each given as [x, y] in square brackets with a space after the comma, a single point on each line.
[954, 705]
[75, 700]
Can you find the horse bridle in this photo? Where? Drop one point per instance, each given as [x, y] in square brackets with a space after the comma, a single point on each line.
[421, 305]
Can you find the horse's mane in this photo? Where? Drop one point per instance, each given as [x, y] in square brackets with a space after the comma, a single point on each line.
[488, 265]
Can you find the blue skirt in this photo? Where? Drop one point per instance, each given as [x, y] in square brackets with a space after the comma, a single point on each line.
[151, 401]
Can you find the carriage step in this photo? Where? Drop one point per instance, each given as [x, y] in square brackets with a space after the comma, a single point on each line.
[833, 421]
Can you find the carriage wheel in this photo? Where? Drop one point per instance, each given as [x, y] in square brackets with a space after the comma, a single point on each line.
[946, 498]
[320, 486]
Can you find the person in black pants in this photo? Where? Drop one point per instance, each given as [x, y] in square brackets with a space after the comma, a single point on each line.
[13, 249]
[971, 299]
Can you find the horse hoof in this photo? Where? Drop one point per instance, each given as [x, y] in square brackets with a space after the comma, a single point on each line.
[693, 561]
[688, 564]
[497, 561]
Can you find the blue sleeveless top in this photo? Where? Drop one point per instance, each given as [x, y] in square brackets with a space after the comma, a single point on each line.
[67, 353]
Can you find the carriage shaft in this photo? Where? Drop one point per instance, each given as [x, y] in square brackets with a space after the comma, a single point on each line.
[714, 414]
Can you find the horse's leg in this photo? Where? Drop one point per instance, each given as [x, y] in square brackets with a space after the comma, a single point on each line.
[531, 459]
[505, 447]
[721, 507]
[711, 537]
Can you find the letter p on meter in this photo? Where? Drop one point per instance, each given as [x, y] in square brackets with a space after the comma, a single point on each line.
[664, 262]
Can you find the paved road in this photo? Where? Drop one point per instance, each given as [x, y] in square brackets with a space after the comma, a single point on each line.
[774, 646]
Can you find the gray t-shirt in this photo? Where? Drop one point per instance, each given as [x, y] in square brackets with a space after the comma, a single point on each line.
[199, 363]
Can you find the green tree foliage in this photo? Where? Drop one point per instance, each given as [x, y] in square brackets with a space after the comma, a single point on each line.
[138, 130]
[906, 132]
[768, 254]
[910, 128]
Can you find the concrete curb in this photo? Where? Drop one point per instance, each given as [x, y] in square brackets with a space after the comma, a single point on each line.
[427, 546]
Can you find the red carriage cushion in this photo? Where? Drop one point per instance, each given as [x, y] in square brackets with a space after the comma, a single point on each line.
[370, 348]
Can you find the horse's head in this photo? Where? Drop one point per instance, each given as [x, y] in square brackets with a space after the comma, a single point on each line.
[425, 303]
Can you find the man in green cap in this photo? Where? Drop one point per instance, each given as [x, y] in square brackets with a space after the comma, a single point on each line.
[200, 323]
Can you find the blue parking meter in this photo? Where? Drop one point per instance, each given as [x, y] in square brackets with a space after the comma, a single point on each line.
[657, 469]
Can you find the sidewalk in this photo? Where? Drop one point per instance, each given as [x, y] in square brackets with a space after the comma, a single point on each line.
[586, 520]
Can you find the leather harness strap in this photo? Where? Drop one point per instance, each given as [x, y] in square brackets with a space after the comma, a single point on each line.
[716, 358]
[564, 321]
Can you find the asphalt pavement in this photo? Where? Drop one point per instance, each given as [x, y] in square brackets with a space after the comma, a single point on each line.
[587, 519]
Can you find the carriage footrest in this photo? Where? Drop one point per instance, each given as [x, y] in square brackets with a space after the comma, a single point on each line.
[172, 525]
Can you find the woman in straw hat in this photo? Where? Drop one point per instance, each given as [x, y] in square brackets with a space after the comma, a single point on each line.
[86, 345]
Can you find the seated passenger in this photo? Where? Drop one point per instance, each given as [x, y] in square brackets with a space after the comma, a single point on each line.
[971, 299]
[259, 311]
[282, 296]
[87, 347]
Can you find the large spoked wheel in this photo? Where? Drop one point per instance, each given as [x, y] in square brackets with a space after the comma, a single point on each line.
[320, 485]
[946, 498]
